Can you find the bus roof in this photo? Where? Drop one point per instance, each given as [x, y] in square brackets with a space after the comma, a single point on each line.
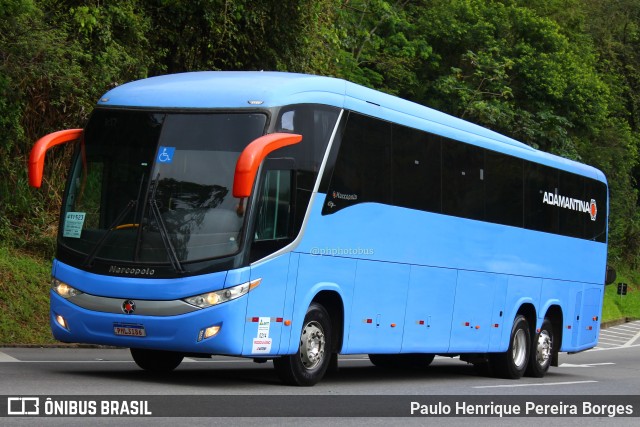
[257, 89]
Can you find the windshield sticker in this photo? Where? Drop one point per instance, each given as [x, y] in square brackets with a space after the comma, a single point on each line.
[165, 154]
[73, 223]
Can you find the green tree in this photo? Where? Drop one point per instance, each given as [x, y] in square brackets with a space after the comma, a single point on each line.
[241, 34]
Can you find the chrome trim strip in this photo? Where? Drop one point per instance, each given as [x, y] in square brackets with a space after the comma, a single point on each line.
[142, 307]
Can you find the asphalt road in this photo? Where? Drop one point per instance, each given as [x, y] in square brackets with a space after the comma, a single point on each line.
[610, 370]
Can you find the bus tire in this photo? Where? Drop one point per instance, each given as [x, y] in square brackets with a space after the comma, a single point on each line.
[156, 360]
[402, 361]
[308, 365]
[512, 364]
[542, 349]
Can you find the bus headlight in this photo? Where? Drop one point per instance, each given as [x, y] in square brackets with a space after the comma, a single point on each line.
[64, 290]
[218, 297]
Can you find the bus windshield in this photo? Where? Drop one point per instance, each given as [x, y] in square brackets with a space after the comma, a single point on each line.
[157, 188]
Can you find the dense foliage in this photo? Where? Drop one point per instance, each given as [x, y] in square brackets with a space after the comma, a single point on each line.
[560, 75]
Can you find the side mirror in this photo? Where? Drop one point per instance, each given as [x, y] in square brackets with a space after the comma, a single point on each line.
[253, 155]
[39, 151]
[610, 276]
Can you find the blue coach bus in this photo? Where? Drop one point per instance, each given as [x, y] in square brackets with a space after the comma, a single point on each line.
[294, 217]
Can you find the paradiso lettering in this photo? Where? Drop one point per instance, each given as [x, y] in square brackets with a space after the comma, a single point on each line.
[570, 203]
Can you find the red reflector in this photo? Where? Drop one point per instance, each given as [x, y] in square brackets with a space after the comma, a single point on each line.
[279, 319]
[255, 319]
[420, 322]
[589, 328]
[369, 320]
[466, 323]
[568, 326]
[496, 326]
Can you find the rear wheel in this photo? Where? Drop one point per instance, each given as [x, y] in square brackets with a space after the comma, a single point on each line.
[402, 361]
[309, 364]
[156, 360]
[541, 351]
[513, 363]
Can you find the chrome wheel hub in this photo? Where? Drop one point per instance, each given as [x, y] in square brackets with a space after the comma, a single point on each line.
[519, 351]
[543, 348]
[312, 345]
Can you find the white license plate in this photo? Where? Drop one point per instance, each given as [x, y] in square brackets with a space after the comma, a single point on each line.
[129, 330]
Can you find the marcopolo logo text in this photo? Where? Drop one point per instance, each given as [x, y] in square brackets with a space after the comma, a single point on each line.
[132, 271]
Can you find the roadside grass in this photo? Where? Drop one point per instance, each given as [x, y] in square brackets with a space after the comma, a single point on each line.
[626, 306]
[24, 298]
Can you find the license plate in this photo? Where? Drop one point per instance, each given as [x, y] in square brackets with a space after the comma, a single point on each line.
[129, 330]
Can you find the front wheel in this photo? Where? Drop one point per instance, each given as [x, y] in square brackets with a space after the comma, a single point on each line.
[513, 363]
[156, 360]
[541, 351]
[309, 364]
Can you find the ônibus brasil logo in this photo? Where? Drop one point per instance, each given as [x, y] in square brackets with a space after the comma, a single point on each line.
[570, 203]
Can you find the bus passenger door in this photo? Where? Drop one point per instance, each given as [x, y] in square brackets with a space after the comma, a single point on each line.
[273, 229]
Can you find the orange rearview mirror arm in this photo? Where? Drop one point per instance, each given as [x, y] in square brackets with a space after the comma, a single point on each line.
[39, 151]
[253, 155]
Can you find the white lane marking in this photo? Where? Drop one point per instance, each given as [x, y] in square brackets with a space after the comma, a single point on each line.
[6, 358]
[535, 385]
[618, 347]
[632, 340]
[584, 365]
[624, 334]
[612, 339]
[624, 328]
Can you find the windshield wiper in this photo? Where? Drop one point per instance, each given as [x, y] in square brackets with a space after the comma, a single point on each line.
[89, 260]
[162, 228]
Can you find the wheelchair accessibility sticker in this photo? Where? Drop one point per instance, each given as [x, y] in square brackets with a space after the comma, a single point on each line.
[165, 154]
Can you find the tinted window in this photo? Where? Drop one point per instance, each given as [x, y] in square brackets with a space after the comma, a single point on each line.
[571, 212]
[462, 180]
[503, 189]
[363, 168]
[596, 227]
[315, 123]
[416, 177]
[538, 180]
[272, 221]
[160, 186]
[435, 174]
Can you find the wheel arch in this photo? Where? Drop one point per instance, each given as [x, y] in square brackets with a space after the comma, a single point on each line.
[333, 303]
[555, 315]
[329, 295]
[528, 310]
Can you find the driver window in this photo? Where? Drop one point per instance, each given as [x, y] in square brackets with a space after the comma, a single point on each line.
[274, 212]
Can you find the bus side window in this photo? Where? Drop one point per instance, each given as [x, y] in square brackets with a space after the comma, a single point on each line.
[274, 209]
[273, 226]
